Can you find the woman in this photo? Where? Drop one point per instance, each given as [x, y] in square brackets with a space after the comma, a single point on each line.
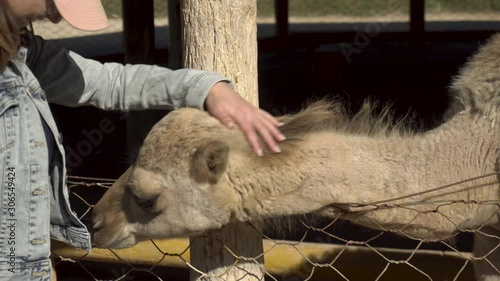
[34, 72]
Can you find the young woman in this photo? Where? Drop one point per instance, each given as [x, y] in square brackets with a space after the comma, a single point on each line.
[33, 195]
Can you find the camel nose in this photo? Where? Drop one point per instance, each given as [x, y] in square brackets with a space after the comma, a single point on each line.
[97, 224]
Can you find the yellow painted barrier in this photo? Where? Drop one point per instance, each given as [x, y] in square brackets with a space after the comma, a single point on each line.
[302, 260]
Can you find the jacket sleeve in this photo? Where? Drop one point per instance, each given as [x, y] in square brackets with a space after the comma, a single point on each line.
[71, 80]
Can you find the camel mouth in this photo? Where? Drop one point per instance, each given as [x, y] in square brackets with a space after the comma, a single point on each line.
[111, 238]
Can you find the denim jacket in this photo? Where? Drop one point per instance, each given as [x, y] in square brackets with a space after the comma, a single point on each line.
[34, 203]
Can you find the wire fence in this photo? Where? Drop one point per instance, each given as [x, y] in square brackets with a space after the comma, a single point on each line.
[324, 250]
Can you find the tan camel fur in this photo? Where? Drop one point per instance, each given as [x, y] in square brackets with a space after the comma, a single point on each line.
[193, 174]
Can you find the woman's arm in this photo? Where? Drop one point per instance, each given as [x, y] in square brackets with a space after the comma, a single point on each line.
[71, 80]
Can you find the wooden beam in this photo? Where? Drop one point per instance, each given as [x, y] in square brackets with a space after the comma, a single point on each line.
[175, 34]
[292, 259]
[417, 23]
[313, 39]
[139, 47]
[281, 16]
[138, 31]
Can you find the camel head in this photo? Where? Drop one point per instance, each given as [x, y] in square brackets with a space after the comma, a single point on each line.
[176, 187]
[192, 173]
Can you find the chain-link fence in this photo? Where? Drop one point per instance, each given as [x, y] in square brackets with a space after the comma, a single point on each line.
[304, 16]
[323, 250]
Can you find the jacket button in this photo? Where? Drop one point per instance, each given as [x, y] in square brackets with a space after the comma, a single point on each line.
[42, 95]
[38, 241]
[39, 273]
[39, 192]
[60, 138]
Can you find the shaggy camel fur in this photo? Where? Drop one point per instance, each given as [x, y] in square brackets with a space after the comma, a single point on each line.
[193, 174]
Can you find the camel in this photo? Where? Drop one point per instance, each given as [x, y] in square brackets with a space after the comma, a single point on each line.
[193, 174]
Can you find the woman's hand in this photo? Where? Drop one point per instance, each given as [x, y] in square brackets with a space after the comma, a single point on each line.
[231, 110]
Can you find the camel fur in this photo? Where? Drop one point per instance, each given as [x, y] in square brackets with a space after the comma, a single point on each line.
[193, 174]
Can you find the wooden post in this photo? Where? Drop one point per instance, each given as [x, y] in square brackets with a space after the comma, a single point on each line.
[139, 47]
[138, 31]
[175, 34]
[417, 24]
[281, 16]
[221, 36]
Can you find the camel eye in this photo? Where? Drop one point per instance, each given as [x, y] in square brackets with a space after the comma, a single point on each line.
[146, 204]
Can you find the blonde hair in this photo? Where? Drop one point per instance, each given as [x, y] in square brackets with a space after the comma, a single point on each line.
[9, 35]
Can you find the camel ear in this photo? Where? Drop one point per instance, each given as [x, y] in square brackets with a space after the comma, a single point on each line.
[209, 162]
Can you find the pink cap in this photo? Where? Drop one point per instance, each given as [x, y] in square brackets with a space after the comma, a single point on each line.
[86, 15]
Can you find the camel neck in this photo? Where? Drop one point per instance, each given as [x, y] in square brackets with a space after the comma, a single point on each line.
[460, 149]
[331, 167]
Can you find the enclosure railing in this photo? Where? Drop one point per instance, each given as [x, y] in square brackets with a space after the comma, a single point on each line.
[320, 251]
